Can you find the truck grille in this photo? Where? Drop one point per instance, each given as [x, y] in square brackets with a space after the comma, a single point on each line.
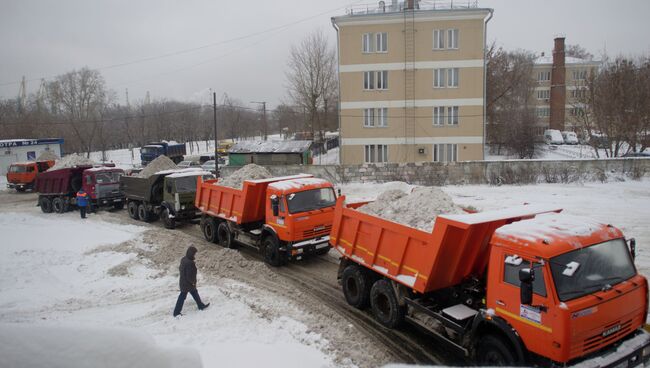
[601, 339]
[317, 231]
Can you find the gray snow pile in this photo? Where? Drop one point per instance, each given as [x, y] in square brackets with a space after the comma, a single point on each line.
[248, 172]
[417, 209]
[72, 160]
[47, 156]
[161, 163]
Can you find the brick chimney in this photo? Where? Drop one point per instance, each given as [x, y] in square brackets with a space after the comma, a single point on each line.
[558, 86]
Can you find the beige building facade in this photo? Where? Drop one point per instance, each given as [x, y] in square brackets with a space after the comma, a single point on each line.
[412, 83]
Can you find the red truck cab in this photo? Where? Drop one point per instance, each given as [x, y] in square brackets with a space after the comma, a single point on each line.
[22, 175]
[103, 186]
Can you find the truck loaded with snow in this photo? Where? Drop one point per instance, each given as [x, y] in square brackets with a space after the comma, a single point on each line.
[174, 151]
[167, 194]
[22, 175]
[57, 187]
[282, 217]
[520, 286]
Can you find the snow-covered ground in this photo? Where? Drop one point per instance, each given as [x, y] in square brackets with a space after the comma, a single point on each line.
[331, 157]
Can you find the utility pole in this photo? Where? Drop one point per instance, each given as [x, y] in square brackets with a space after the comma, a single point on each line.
[216, 141]
[265, 127]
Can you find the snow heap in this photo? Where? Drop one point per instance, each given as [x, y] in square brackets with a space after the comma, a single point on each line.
[248, 172]
[47, 156]
[417, 209]
[71, 161]
[161, 163]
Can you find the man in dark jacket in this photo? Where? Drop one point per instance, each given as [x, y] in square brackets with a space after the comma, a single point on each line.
[187, 282]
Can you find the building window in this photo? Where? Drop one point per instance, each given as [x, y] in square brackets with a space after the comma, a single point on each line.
[368, 80]
[543, 112]
[452, 77]
[382, 117]
[438, 39]
[438, 115]
[382, 79]
[452, 115]
[543, 94]
[368, 117]
[439, 78]
[578, 93]
[577, 111]
[452, 39]
[544, 76]
[382, 42]
[366, 42]
[579, 75]
[445, 152]
[375, 153]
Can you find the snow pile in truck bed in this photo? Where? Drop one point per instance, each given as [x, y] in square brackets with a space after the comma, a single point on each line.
[161, 163]
[47, 156]
[248, 172]
[71, 161]
[417, 209]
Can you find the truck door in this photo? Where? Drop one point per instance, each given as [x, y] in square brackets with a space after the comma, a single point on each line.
[534, 322]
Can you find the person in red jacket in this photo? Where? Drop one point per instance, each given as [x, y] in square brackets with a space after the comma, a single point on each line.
[82, 202]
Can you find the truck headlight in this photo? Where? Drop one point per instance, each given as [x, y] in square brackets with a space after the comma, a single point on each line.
[183, 207]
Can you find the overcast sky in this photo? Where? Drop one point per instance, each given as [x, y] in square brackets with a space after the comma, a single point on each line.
[41, 39]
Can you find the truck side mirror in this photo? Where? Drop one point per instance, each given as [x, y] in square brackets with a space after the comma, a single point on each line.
[338, 192]
[632, 244]
[275, 205]
[526, 277]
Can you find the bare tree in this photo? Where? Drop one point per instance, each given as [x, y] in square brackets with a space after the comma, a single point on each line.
[311, 76]
[578, 51]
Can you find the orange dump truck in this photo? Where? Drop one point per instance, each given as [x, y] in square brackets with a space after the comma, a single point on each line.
[22, 175]
[284, 217]
[522, 286]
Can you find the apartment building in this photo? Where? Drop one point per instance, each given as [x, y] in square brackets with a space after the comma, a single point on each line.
[412, 82]
[560, 85]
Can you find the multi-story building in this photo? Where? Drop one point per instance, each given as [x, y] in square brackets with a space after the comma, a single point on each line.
[560, 87]
[412, 82]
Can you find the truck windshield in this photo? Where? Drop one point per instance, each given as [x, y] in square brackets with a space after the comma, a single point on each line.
[18, 169]
[590, 269]
[148, 150]
[108, 177]
[311, 200]
[186, 184]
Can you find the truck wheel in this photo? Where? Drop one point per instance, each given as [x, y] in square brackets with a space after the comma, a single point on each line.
[272, 253]
[492, 351]
[170, 222]
[58, 205]
[46, 204]
[224, 236]
[143, 214]
[384, 304]
[210, 230]
[118, 205]
[132, 207]
[356, 286]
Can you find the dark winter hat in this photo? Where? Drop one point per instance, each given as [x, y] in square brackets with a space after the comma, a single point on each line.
[191, 251]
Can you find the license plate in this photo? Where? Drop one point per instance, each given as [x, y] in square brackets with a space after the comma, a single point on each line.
[117, 200]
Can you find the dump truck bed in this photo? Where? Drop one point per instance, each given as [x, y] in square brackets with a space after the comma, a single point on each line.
[455, 249]
[60, 182]
[242, 206]
[141, 189]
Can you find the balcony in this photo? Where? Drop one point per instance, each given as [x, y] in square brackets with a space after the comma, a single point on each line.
[397, 6]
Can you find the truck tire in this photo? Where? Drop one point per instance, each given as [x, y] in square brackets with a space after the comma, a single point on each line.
[143, 214]
[58, 205]
[356, 286]
[224, 236]
[132, 208]
[46, 204]
[170, 222]
[272, 253]
[384, 304]
[210, 230]
[493, 351]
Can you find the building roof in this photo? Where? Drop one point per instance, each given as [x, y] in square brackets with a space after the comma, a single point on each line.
[568, 60]
[270, 147]
[423, 9]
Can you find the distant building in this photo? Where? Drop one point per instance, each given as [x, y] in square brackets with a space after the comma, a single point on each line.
[270, 153]
[560, 81]
[412, 82]
[20, 150]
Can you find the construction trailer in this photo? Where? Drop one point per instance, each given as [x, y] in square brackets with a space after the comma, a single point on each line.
[270, 153]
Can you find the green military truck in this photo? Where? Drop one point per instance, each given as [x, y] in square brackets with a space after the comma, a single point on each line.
[168, 195]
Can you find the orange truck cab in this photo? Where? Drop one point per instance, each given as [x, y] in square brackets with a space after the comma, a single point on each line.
[284, 217]
[22, 175]
[520, 286]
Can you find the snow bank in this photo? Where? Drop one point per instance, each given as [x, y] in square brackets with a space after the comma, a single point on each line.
[417, 209]
[248, 172]
[23, 345]
[161, 163]
[71, 161]
[47, 156]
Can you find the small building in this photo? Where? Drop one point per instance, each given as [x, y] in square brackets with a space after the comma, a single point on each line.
[270, 153]
[19, 150]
